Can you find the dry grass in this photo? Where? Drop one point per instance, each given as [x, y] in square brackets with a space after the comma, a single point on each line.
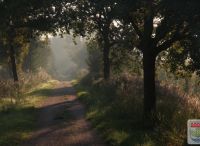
[17, 108]
[13, 93]
[115, 108]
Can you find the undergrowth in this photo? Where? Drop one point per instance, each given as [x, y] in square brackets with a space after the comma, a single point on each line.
[115, 110]
[18, 107]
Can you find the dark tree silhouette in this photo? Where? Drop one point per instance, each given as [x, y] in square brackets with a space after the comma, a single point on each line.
[32, 16]
[158, 26]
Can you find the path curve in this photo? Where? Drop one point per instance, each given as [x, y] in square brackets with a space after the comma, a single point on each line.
[54, 130]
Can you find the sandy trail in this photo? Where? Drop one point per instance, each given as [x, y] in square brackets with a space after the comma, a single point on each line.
[54, 129]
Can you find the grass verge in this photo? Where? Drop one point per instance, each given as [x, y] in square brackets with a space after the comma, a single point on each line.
[17, 121]
[115, 110]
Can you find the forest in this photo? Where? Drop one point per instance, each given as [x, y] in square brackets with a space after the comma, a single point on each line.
[99, 72]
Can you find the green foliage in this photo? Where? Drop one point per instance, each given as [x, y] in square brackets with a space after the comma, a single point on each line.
[21, 21]
[16, 124]
[126, 60]
[94, 60]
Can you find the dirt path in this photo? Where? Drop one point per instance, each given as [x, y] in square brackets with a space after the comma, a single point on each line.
[54, 128]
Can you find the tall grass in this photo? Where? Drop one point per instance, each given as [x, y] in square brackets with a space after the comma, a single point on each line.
[115, 109]
[12, 93]
[17, 108]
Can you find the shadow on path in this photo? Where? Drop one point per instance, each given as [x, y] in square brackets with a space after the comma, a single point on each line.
[61, 120]
[61, 91]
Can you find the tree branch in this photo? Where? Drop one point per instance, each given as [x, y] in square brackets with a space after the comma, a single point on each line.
[168, 43]
[136, 28]
[164, 29]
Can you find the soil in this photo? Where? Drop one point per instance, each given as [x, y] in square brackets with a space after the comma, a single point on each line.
[62, 122]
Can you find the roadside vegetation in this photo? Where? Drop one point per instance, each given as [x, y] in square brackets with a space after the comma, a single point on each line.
[115, 107]
[18, 110]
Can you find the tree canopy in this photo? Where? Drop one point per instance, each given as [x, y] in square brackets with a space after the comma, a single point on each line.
[163, 29]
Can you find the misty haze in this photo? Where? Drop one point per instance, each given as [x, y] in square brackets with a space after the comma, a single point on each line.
[69, 57]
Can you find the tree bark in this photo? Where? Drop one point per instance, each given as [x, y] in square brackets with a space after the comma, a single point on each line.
[149, 87]
[13, 62]
[187, 86]
[11, 36]
[106, 60]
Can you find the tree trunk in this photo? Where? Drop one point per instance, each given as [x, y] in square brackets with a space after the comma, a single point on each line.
[106, 60]
[187, 85]
[11, 37]
[13, 63]
[149, 88]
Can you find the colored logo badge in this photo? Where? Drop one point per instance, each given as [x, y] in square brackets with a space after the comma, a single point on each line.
[193, 131]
